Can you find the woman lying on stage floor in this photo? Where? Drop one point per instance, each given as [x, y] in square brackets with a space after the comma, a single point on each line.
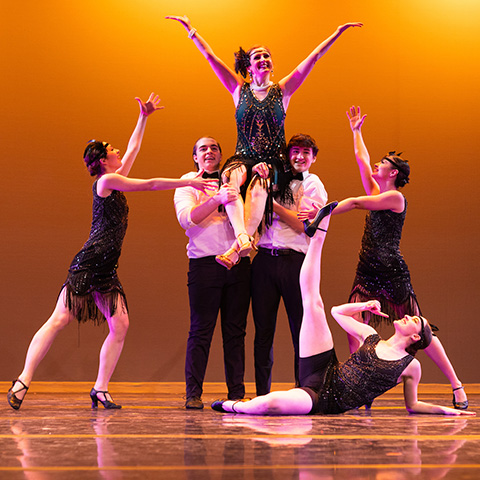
[328, 386]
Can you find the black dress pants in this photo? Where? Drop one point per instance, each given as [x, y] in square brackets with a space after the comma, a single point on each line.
[212, 289]
[273, 278]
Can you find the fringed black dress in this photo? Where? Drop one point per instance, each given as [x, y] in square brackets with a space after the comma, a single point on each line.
[382, 273]
[93, 272]
[261, 138]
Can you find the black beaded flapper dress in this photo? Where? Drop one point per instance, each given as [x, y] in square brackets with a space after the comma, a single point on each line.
[261, 138]
[94, 269]
[382, 273]
[359, 380]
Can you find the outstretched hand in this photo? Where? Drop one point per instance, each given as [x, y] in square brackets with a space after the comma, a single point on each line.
[355, 118]
[184, 20]
[342, 28]
[150, 106]
[455, 412]
[205, 185]
[374, 307]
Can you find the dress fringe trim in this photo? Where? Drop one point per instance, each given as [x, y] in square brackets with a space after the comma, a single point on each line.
[394, 311]
[89, 307]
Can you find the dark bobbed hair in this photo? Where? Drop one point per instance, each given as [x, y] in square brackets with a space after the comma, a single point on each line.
[92, 155]
[426, 336]
[402, 166]
[195, 146]
[302, 140]
[242, 59]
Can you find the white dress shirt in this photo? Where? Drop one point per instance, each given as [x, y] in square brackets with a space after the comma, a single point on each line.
[214, 235]
[281, 235]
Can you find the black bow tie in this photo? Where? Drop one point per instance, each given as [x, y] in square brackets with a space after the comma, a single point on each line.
[298, 176]
[210, 175]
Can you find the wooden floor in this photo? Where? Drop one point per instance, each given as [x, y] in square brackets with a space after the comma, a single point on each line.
[56, 435]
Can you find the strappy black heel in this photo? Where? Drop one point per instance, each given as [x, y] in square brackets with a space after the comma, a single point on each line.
[106, 403]
[12, 399]
[311, 227]
[459, 405]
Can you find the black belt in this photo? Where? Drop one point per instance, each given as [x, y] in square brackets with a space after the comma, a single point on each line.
[278, 252]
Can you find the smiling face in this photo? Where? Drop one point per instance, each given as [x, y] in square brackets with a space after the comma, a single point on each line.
[301, 158]
[207, 154]
[260, 62]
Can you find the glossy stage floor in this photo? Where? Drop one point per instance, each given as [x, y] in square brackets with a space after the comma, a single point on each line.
[55, 435]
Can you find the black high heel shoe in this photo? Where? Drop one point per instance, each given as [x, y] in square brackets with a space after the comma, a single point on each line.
[12, 399]
[459, 405]
[311, 227]
[106, 403]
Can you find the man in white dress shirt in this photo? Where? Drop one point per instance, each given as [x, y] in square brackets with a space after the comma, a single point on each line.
[211, 287]
[276, 267]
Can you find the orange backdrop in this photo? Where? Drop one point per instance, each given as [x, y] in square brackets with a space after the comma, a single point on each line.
[70, 72]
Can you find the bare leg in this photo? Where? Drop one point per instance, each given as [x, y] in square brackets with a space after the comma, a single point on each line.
[41, 343]
[315, 334]
[289, 402]
[437, 353]
[242, 245]
[112, 346]
[255, 205]
[235, 210]
[315, 337]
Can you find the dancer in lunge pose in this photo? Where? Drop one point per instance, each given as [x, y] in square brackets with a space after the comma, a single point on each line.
[92, 291]
[328, 386]
[382, 273]
[261, 106]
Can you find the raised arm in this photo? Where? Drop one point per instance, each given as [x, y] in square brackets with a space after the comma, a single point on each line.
[356, 120]
[411, 378]
[344, 316]
[226, 75]
[291, 82]
[135, 142]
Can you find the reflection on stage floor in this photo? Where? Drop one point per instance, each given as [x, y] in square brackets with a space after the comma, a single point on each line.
[57, 435]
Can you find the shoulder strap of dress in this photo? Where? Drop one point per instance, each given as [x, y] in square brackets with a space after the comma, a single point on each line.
[373, 339]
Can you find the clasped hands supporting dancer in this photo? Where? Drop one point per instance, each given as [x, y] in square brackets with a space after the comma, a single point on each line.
[92, 291]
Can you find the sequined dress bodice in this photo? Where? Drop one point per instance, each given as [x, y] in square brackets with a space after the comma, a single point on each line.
[94, 267]
[360, 379]
[260, 126]
[381, 269]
